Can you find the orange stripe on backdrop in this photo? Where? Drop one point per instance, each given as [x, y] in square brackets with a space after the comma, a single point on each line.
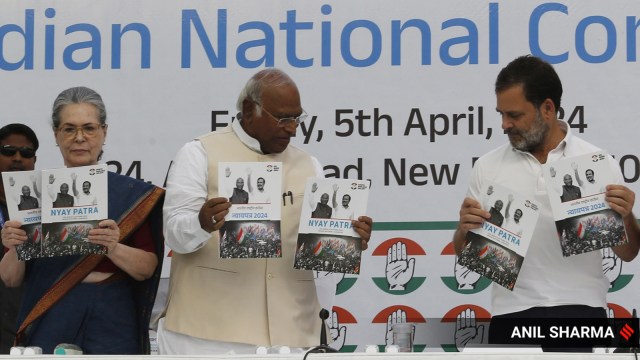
[412, 247]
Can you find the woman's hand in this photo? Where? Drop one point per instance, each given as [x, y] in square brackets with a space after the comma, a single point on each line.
[106, 234]
[12, 234]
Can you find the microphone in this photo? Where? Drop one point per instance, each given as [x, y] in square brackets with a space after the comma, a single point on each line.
[323, 347]
[324, 315]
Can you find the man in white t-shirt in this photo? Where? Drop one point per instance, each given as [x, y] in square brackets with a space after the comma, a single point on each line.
[513, 224]
[342, 210]
[257, 195]
[85, 197]
[528, 93]
[591, 186]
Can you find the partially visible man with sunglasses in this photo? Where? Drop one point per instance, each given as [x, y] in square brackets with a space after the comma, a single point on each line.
[18, 145]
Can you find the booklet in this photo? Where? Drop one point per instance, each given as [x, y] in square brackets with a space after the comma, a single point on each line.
[497, 249]
[75, 200]
[22, 191]
[252, 227]
[326, 238]
[576, 188]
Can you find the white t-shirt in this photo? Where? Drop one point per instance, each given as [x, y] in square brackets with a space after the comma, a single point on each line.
[592, 188]
[259, 197]
[341, 212]
[85, 199]
[513, 226]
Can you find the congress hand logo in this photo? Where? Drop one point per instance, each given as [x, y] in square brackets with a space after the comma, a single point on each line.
[399, 268]
[338, 333]
[467, 329]
[465, 277]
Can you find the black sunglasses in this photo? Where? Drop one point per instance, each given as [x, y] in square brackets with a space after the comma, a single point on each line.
[10, 150]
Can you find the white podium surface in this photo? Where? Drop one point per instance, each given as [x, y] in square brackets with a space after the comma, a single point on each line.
[499, 355]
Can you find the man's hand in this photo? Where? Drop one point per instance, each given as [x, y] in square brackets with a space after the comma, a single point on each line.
[363, 227]
[212, 213]
[465, 277]
[227, 171]
[399, 270]
[314, 187]
[621, 199]
[472, 216]
[467, 330]
[74, 176]
[52, 178]
[12, 181]
[552, 172]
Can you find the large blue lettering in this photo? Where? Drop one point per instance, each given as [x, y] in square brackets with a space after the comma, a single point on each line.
[376, 43]
[310, 42]
[326, 37]
[581, 43]
[396, 31]
[49, 40]
[632, 38]
[27, 35]
[117, 31]
[534, 32]
[494, 33]
[290, 27]
[191, 18]
[266, 42]
[92, 45]
[471, 40]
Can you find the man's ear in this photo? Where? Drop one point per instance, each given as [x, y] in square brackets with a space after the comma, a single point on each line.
[549, 108]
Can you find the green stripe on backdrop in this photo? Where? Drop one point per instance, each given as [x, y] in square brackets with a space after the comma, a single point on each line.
[416, 225]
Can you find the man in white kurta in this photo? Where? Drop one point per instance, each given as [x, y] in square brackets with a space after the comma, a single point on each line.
[234, 305]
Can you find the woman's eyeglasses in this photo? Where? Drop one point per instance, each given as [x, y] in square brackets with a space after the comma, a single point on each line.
[10, 150]
[88, 130]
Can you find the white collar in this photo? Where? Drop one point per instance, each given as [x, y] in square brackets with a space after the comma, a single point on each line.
[250, 142]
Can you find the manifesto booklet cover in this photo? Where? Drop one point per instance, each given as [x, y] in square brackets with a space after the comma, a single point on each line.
[497, 249]
[75, 200]
[326, 238]
[22, 191]
[576, 187]
[252, 227]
